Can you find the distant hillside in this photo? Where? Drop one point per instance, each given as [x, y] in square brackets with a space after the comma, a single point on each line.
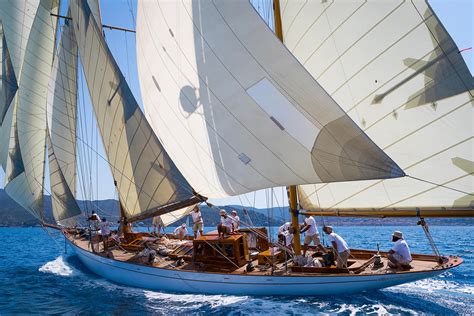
[11, 214]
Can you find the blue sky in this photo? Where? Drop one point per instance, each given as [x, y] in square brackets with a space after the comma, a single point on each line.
[456, 15]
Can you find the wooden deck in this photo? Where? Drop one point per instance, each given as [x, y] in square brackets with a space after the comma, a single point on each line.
[361, 261]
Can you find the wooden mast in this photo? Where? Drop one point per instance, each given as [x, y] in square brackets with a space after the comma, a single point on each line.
[292, 196]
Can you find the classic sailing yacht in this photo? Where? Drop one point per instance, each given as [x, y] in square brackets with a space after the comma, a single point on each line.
[232, 108]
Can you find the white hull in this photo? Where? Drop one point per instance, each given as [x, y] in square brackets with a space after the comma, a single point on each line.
[217, 283]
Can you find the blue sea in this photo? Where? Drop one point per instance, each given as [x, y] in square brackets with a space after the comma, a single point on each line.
[39, 276]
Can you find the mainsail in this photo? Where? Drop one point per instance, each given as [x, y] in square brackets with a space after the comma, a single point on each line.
[29, 31]
[395, 70]
[235, 110]
[62, 104]
[147, 180]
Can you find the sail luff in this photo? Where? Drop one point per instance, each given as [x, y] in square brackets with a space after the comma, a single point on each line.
[147, 180]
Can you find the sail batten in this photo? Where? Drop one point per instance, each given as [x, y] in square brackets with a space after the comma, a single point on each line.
[146, 178]
[249, 119]
[405, 85]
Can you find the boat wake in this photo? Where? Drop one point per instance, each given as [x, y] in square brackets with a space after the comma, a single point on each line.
[432, 286]
[58, 267]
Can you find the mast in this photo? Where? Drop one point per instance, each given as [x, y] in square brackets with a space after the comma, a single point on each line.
[292, 196]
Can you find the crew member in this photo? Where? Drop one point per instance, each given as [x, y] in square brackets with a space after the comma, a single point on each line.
[181, 231]
[236, 220]
[198, 222]
[104, 232]
[341, 249]
[399, 256]
[284, 227]
[226, 226]
[312, 235]
[156, 223]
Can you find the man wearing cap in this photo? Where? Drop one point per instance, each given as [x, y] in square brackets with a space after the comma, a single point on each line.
[198, 222]
[312, 234]
[341, 249]
[399, 256]
[226, 226]
[236, 220]
[181, 231]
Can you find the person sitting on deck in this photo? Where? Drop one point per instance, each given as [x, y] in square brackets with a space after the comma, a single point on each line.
[104, 232]
[198, 222]
[341, 249]
[226, 226]
[399, 256]
[312, 235]
[181, 231]
[236, 220]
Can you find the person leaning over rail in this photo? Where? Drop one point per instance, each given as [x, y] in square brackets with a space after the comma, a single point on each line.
[341, 249]
[399, 256]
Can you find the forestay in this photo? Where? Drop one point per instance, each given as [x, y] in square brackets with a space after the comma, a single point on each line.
[395, 70]
[62, 104]
[29, 31]
[147, 180]
[235, 110]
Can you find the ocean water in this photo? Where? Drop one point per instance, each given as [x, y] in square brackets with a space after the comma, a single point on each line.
[37, 276]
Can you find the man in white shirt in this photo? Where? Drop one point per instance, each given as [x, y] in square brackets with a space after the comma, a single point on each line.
[236, 220]
[156, 223]
[198, 222]
[341, 249]
[104, 232]
[284, 227]
[181, 231]
[399, 256]
[226, 226]
[312, 235]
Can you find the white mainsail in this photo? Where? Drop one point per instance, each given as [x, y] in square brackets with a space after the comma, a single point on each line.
[147, 180]
[396, 71]
[62, 105]
[235, 110]
[29, 30]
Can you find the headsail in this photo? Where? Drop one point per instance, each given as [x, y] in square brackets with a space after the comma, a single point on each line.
[235, 110]
[31, 46]
[62, 104]
[405, 83]
[148, 182]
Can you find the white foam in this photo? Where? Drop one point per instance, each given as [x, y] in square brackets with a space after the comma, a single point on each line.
[57, 266]
[195, 301]
[434, 285]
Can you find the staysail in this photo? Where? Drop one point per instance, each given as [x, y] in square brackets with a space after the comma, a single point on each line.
[235, 110]
[62, 104]
[405, 84]
[30, 32]
[147, 180]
